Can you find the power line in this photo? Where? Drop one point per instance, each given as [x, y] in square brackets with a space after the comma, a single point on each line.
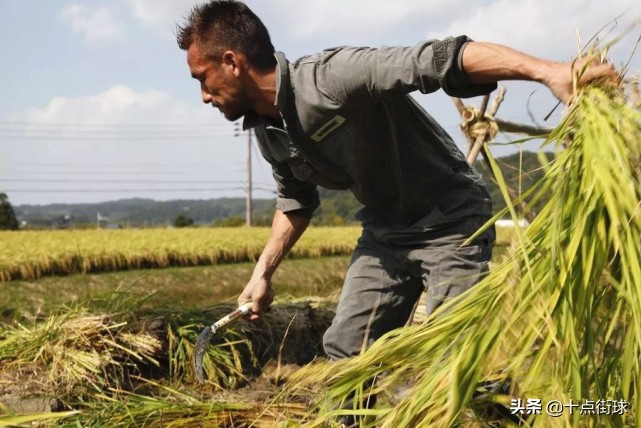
[107, 172]
[127, 165]
[11, 180]
[114, 131]
[204, 189]
[209, 137]
[119, 125]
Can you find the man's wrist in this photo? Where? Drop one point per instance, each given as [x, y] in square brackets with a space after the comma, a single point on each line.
[544, 72]
[263, 270]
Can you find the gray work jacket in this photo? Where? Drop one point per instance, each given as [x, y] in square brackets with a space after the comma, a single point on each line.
[349, 123]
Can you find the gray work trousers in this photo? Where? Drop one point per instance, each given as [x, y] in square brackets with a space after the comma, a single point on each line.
[390, 269]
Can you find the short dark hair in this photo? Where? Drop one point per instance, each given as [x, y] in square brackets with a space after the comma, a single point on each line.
[219, 25]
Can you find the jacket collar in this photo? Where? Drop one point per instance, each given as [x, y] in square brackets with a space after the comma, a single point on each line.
[253, 119]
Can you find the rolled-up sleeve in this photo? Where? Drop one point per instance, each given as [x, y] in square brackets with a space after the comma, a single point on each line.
[364, 74]
[448, 61]
[292, 193]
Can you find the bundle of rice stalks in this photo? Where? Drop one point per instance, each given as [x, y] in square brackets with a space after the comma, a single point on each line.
[290, 333]
[75, 351]
[560, 319]
[72, 350]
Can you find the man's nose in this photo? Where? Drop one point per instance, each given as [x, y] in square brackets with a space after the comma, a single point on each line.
[205, 96]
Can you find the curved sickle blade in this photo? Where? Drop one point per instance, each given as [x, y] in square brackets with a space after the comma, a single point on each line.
[208, 332]
[199, 351]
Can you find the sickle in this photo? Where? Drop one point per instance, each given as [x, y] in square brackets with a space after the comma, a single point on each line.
[208, 333]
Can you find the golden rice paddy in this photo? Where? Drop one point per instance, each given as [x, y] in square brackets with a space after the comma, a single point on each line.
[32, 254]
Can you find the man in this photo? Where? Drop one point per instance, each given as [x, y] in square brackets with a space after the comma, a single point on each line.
[343, 119]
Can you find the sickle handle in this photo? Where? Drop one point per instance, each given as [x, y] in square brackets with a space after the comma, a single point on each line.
[242, 310]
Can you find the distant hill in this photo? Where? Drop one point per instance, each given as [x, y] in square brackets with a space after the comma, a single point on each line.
[337, 207]
[137, 212]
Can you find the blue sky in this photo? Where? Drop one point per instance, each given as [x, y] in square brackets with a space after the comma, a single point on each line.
[98, 103]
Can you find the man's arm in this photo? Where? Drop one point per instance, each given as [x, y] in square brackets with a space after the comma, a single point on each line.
[286, 229]
[296, 201]
[459, 66]
[488, 63]
[364, 75]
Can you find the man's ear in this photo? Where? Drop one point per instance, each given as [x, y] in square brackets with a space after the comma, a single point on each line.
[232, 61]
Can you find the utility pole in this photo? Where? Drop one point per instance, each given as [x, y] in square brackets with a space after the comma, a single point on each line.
[248, 202]
[248, 205]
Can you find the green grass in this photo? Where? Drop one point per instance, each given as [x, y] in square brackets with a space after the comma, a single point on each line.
[180, 288]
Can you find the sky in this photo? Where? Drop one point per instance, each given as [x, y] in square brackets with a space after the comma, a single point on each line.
[98, 103]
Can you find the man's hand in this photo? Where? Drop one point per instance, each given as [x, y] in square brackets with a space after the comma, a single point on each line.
[564, 78]
[258, 291]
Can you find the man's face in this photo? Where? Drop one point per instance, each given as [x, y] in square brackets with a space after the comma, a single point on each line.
[219, 82]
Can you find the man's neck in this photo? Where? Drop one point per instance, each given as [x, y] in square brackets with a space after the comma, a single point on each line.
[264, 93]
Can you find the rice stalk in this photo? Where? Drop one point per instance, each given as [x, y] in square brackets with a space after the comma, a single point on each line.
[76, 351]
[239, 351]
[29, 420]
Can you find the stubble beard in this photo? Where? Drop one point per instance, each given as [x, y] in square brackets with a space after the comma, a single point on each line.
[237, 109]
[233, 117]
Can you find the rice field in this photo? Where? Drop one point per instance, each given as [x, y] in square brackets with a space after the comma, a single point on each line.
[116, 347]
[34, 254]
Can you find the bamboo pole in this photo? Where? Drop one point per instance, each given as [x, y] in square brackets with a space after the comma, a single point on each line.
[519, 128]
[477, 145]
